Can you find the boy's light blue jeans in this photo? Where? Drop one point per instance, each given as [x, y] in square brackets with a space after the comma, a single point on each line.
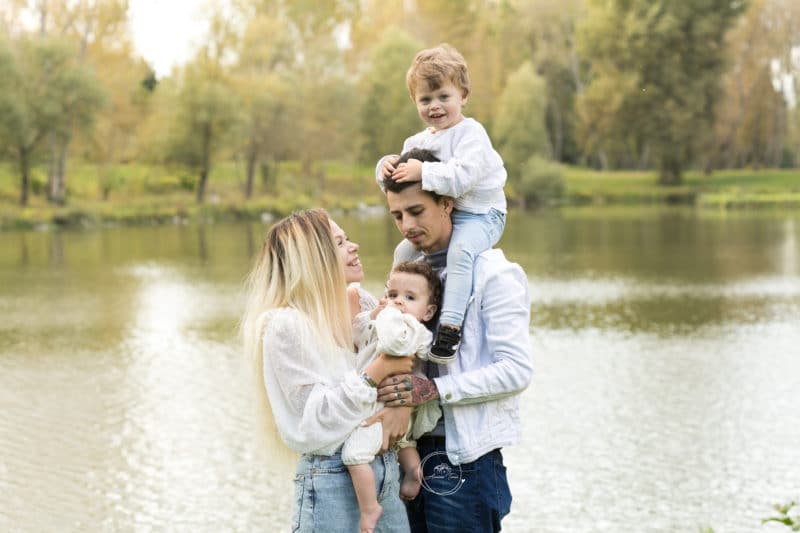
[473, 234]
[325, 501]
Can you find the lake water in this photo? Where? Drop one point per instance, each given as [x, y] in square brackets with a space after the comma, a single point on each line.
[666, 395]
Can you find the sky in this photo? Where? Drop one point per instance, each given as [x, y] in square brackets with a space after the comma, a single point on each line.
[164, 32]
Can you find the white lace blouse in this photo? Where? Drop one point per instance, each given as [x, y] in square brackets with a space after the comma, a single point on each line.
[315, 406]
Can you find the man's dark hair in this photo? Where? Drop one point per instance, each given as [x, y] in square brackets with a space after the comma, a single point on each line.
[420, 154]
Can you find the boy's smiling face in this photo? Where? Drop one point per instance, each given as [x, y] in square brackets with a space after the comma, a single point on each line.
[439, 108]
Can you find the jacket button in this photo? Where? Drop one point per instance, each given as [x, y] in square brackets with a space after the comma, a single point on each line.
[448, 396]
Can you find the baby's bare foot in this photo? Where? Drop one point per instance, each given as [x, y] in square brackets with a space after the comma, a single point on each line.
[409, 488]
[369, 518]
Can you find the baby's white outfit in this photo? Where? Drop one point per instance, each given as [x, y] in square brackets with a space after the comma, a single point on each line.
[394, 333]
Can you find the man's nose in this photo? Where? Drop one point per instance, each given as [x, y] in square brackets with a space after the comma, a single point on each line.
[406, 223]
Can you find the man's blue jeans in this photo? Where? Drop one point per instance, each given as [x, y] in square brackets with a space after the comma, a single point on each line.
[469, 498]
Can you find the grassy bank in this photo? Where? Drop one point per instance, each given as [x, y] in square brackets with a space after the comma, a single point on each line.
[143, 194]
[728, 189]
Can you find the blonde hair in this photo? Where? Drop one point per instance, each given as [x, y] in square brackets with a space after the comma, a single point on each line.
[299, 267]
[436, 66]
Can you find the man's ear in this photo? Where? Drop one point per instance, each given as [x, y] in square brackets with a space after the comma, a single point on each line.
[429, 314]
[447, 204]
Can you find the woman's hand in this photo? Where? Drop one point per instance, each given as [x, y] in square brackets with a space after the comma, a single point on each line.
[388, 365]
[394, 423]
[407, 389]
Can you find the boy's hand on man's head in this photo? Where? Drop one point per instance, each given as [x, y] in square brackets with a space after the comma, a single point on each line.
[409, 171]
[388, 165]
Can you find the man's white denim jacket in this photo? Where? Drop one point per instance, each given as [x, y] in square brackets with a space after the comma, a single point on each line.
[479, 390]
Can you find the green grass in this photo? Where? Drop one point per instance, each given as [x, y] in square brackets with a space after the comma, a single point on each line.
[722, 189]
[140, 193]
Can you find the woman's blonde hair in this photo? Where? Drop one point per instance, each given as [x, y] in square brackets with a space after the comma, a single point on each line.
[299, 267]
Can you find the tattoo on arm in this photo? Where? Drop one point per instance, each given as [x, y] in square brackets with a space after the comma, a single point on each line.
[422, 390]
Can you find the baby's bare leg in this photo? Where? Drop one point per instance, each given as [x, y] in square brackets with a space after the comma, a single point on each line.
[364, 485]
[412, 481]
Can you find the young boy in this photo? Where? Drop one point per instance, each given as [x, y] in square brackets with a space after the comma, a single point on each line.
[470, 171]
[396, 327]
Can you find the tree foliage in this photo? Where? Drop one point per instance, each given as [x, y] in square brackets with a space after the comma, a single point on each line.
[519, 130]
[44, 90]
[388, 114]
[615, 84]
[664, 60]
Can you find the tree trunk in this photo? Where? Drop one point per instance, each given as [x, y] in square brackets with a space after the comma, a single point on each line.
[252, 156]
[201, 186]
[558, 130]
[56, 173]
[601, 154]
[670, 172]
[205, 167]
[24, 167]
[57, 190]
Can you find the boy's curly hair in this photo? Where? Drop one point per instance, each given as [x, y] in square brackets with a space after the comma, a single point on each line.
[436, 66]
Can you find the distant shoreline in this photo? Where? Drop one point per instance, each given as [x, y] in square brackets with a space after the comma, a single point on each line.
[351, 189]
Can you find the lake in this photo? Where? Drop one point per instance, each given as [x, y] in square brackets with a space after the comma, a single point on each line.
[666, 395]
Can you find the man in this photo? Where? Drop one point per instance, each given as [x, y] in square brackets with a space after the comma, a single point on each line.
[465, 488]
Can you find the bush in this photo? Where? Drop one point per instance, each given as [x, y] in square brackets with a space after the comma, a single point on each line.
[165, 184]
[541, 182]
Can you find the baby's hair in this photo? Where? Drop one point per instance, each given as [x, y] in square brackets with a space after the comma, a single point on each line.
[436, 66]
[421, 268]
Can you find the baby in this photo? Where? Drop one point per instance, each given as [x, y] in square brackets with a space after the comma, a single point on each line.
[396, 327]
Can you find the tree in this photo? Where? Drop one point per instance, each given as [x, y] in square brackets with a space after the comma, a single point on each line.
[547, 29]
[388, 114]
[519, 129]
[44, 90]
[521, 138]
[660, 63]
[205, 110]
[754, 126]
[260, 79]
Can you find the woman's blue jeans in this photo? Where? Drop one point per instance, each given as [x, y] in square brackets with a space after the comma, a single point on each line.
[325, 501]
[469, 498]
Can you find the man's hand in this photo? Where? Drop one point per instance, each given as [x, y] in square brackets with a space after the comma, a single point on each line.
[406, 389]
[394, 423]
[408, 171]
[387, 167]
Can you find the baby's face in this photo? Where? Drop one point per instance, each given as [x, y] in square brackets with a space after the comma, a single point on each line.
[409, 293]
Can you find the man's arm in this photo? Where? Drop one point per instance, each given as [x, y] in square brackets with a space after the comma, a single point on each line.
[406, 389]
[505, 316]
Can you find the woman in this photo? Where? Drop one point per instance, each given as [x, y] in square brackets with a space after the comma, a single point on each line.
[359, 299]
[297, 331]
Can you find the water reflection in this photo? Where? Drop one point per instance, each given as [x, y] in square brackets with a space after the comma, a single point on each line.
[666, 396]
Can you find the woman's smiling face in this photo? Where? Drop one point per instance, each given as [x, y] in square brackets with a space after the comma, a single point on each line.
[353, 272]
